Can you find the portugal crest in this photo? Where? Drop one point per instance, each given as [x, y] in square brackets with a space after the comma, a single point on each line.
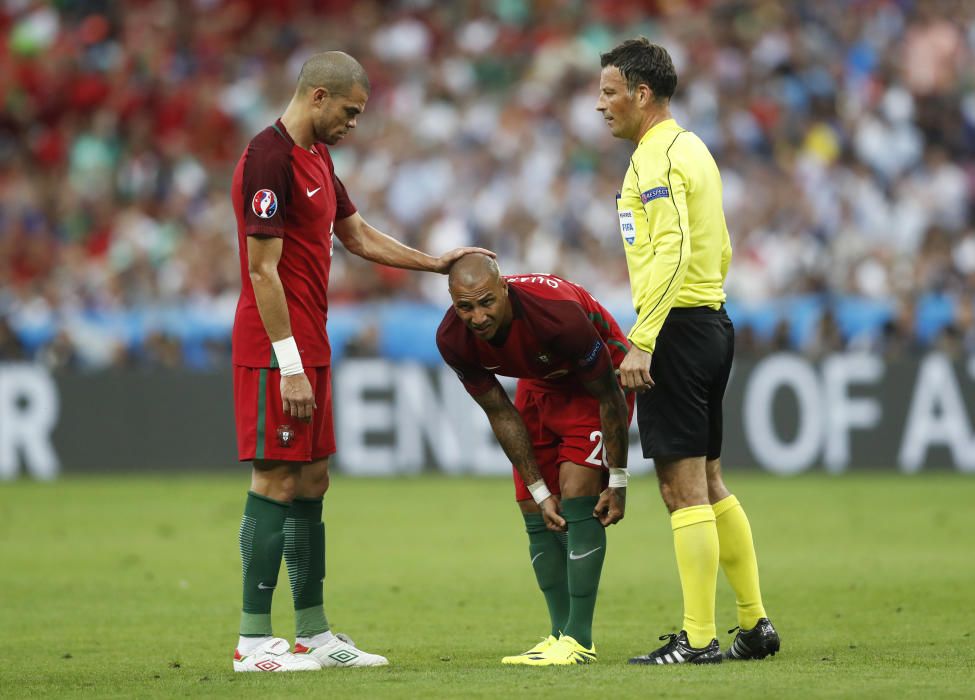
[286, 435]
[265, 203]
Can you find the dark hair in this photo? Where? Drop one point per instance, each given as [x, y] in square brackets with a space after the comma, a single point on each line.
[639, 61]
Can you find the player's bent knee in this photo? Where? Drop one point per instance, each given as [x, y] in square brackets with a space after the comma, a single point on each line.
[275, 480]
[314, 480]
[576, 480]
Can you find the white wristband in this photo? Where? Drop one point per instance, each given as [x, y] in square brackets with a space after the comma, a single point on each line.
[618, 478]
[289, 359]
[539, 491]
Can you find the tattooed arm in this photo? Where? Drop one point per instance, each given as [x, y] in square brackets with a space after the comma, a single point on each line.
[614, 421]
[513, 436]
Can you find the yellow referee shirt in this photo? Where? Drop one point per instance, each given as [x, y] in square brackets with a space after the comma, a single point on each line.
[673, 227]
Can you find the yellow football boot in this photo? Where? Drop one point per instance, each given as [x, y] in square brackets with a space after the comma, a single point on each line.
[565, 652]
[539, 648]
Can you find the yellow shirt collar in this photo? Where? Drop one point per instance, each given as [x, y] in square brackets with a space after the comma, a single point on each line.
[659, 126]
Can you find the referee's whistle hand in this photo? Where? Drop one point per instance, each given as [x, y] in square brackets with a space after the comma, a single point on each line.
[634, 370]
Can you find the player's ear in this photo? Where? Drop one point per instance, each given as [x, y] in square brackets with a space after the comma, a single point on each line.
[320, 95]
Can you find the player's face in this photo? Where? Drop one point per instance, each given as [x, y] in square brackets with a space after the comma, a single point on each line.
[335, 114]
[618, 105]
[483, 308]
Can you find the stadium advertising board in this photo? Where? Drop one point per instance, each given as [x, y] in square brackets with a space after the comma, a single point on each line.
[783, 413]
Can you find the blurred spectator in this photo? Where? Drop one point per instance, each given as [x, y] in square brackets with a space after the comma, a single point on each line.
[845, 133]
[60, 353]
[826, 338]
[365, 343]
[897, 339]
[11, 349]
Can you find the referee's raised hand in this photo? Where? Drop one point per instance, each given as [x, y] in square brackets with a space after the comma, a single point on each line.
[634, 370]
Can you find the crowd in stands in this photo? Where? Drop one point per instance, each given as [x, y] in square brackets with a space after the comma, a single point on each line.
[845, 134]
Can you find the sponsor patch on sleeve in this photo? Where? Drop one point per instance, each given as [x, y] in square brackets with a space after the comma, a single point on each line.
[592, 354]
[655, 193]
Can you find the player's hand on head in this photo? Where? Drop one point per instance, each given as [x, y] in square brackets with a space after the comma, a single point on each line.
[634, 370]
[551, 513]
[451, 256]
[297, 397]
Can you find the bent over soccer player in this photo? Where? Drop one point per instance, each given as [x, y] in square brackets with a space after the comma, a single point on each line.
[288, 202]
[565, 430]
[678, 251]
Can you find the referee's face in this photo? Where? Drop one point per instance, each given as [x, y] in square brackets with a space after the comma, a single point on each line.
[618, 105]
[483, 307]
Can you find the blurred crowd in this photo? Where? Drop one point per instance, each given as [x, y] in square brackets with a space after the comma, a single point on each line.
[845, 133]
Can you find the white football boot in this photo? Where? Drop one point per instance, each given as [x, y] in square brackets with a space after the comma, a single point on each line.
[340, 652]
[273, 656]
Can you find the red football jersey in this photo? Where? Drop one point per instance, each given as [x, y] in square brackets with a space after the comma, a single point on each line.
[280, 189]
[559, 337]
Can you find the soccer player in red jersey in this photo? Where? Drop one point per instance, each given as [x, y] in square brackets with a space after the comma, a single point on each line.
[289, 203]
[565, 432]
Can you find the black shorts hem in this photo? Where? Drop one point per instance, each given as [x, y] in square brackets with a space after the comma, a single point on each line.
[672, 454]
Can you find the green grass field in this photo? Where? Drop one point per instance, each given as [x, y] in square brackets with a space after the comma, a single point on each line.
[129, 587]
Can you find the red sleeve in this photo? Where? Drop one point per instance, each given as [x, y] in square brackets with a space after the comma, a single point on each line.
[578, 341]
[475, 378]
[344, 206]
[267, 182]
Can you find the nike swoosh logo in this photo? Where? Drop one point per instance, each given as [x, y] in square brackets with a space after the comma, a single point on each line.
[311, 193]
[537, 556]
[262, 587]
[574, 556]
[491, 367]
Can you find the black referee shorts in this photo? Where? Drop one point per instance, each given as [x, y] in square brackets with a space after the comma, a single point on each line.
[681, 415]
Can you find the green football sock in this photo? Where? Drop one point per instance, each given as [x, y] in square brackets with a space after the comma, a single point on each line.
[587, 549]
[547, 551]
[304, 553]
[261, 542]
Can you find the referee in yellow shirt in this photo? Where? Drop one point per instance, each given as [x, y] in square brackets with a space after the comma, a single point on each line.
[678, 250]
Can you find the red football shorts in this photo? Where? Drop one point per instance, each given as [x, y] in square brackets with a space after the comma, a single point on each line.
[564, 427]
[265, 432]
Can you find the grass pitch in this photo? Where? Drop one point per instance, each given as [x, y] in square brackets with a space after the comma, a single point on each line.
[129, 587]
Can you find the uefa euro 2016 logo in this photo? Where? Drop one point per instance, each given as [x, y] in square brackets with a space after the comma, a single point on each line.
[265, 203]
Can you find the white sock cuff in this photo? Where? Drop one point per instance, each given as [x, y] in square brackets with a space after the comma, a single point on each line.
[319, 640]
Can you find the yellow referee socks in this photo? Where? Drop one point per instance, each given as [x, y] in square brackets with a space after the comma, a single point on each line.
[696, 546]
[738, 560]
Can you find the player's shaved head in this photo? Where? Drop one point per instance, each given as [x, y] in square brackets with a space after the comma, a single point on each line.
[335, 71]
[473, 270]
[480, 295]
